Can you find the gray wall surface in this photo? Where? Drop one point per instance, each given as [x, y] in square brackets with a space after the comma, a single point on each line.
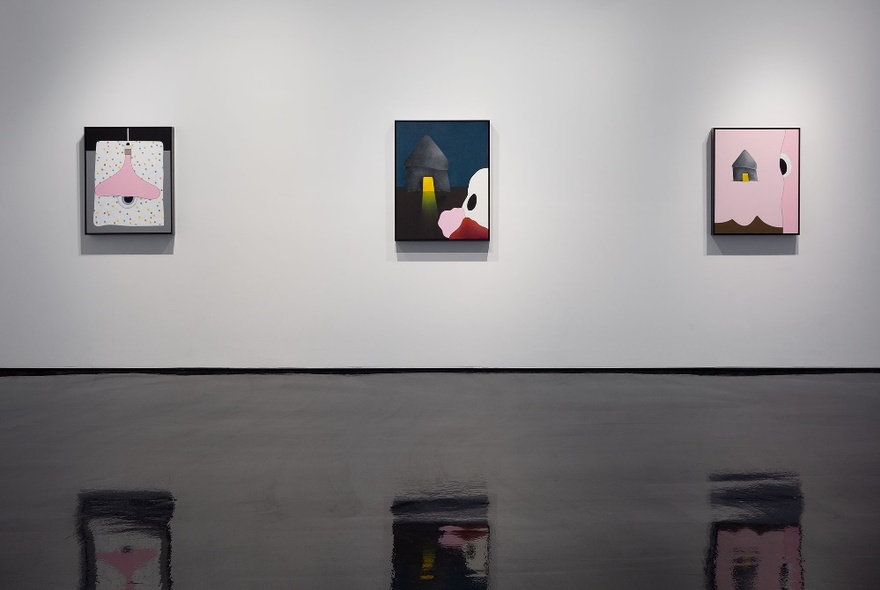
[284, 114]
[286, 481]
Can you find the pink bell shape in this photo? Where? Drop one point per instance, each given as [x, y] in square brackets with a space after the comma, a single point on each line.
[126, 183]
[128, 561]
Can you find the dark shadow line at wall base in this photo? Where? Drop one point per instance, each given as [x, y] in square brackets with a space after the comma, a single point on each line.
[185, 371]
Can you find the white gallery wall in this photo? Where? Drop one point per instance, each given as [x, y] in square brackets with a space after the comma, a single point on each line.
[284, 255]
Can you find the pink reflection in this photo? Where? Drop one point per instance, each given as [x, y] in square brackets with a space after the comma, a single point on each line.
[127, 561]
[458, 536]
[750, 559]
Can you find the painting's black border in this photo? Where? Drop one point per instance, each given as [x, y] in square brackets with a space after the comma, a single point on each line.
[91, 137]
[712, 176]
[394, 176]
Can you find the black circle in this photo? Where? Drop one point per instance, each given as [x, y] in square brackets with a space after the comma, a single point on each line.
[471, 202]
[783, 166]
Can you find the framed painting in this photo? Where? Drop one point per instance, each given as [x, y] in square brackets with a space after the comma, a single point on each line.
[756, 181]
[441, 186]
[129, 180]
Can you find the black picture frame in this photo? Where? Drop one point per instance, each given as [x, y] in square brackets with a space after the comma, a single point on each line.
[733, 167]
[455, 155]
[110, 218]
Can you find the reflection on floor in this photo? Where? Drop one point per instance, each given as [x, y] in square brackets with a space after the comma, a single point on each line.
[501, 480]
[755, 539]
[125, 539]
[441, 543]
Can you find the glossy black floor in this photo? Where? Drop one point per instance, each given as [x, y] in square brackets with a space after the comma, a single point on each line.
[609, 481]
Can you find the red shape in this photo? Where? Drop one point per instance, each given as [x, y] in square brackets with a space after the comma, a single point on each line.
[458, 536]
[470, 230]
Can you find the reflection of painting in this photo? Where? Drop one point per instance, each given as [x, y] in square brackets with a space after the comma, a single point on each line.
[755, 541]
[756, 181]
[126, 540]
[441, 180]
[441, 543]
[128, 179]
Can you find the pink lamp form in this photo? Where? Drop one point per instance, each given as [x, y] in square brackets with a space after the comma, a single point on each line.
[127, 561]
[126, 182]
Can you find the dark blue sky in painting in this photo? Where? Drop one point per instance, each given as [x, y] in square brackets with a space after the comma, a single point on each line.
[465, 144]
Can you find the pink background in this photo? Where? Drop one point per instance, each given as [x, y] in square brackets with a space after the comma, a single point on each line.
[772, 197]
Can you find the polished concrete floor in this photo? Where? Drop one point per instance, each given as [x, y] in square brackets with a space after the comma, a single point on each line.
[599, 481]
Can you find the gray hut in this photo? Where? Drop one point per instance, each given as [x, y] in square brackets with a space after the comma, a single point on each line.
[745, 168]
[427, 159]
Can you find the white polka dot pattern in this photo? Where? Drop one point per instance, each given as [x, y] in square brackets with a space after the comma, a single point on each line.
[147, 162]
